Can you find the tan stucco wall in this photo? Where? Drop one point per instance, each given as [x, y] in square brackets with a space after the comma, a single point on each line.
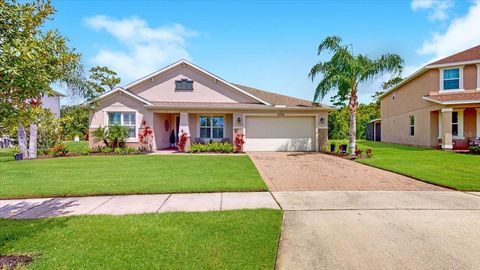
[470, 77]
[408, 101]
[120, 103]
[205, 88]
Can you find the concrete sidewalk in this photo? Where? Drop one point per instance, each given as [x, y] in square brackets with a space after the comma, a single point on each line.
[135, 204]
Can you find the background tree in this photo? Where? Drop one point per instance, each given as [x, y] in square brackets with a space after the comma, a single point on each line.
[345, 71]
[102, 77]
[74, 121]
[32, 59]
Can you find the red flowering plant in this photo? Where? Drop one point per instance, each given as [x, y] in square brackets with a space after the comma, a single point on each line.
[182, 141]
[146, 137]
[239, 142]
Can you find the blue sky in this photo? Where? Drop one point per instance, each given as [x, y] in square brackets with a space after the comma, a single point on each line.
[267, 44]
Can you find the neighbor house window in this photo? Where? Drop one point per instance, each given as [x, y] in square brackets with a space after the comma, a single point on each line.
[451, 79]
[126, 119]
[184, 84]
[455, 124]
[211, 127]
[412, 125]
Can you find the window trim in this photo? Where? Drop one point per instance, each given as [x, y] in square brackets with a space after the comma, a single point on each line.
[478, 80]
[107, 122]
[459, 123]
[211, 127]
[410, 125]
[183, 89]
[460, 80]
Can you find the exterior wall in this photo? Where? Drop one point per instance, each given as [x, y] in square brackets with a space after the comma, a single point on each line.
[205, 89]
[397, 107]
[470, 122]
[470, 77]
[162, 135]
[120, 103]
[52, 103]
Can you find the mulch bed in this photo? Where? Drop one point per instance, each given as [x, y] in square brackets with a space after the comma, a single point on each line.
[12, 261]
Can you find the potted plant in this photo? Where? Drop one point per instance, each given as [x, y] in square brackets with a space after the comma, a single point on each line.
[16, 153]
[182, 141]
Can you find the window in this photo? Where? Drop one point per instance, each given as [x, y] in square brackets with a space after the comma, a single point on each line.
[451, 79]
[184, 84]
[412, 125]
[455, 123]
[124, 119]
[211, 127]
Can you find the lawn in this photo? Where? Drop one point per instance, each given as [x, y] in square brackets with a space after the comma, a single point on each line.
[458, 171]
[76, 147]
[134, 174]
[245, 239]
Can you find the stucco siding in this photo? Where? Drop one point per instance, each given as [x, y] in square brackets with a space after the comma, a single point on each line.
[396, 108]
[52, 103]
[121, 103]
[205, 89]
[470, 77]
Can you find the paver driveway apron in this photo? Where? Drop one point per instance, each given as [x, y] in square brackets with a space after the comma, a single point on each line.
[306, 171]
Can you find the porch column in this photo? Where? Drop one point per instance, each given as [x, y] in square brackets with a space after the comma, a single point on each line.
[447, 142]
[183, 127]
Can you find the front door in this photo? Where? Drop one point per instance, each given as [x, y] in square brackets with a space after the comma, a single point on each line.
[177, 127]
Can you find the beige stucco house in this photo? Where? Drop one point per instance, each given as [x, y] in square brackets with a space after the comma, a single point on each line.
[437, 106]
[184, 98]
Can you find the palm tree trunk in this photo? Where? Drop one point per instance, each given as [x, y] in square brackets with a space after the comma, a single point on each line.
[32, 147]
[352, 138]
[22, 140]
[352, 106]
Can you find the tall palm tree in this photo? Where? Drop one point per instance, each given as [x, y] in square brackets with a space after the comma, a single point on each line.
[345, 71]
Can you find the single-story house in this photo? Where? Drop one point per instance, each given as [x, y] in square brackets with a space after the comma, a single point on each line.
[184, 98]
[437, 106]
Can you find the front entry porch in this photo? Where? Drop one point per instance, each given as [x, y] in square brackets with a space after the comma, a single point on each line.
[199, 127]
[458, 128]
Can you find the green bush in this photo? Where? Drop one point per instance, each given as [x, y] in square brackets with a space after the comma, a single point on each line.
[214, 147]
[474, 150]
[129, 150]
[117, 151]
[85, 152]
[107, 149]
[14, 150]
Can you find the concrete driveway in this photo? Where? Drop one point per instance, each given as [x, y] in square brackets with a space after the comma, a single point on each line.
[286, 171]
[379, 230]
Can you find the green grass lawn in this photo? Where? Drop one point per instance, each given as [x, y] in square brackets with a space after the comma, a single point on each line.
[94, 175]
[76, 147]
[245, 239]
[458, 171]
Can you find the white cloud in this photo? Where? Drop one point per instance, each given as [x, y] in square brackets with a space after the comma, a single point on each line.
[146, 49]
[438, 8]
[462, 33]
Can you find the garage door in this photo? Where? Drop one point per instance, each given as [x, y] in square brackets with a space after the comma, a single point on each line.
[286, 133]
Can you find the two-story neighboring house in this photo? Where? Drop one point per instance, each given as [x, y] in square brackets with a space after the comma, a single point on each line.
[53, 102]
[437, 106]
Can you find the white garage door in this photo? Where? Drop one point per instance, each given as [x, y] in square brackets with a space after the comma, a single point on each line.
[286, 133]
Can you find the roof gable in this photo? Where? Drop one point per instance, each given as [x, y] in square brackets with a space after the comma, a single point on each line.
[185, 63]
[463, 56]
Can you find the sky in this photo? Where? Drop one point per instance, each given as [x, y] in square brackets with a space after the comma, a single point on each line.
[269, 45]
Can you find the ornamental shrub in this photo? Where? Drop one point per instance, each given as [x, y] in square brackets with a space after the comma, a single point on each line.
[212, 147]
[58, 150]
[474, 150]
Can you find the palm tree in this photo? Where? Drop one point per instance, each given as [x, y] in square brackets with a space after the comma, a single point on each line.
[345, 71]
